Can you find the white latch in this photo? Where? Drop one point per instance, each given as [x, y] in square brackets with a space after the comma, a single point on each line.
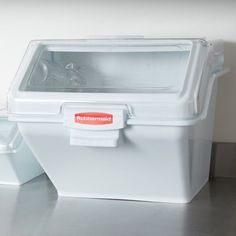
[94, 125]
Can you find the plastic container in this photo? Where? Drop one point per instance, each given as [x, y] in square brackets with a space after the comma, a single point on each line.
[121, 119]
[17, 163]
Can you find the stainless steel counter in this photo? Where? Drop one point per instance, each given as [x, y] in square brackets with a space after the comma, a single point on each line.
[34, 210]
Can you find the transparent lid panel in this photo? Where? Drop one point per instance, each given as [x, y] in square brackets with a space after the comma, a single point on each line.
[107, 72]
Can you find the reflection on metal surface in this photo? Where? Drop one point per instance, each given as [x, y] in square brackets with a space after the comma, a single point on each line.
[35, 210]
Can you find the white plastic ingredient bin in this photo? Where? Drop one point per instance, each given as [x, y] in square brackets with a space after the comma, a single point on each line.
[121, 119]
[17, 163]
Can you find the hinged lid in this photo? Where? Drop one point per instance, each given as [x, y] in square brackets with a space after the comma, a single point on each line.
[155, 78]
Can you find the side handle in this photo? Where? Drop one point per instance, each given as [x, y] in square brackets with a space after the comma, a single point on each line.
[210, 86]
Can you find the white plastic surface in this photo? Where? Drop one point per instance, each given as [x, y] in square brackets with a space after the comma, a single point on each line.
[17, 163]
[87, 138]
[151, 163]
[8, 136]
[108, 142]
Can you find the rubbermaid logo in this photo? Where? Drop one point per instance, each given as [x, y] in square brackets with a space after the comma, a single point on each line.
[94, 118]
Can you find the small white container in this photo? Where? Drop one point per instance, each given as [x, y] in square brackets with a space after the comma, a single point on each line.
[17, 163]
[121, 119]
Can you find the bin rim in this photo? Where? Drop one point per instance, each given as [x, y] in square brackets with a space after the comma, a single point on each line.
[58, 118]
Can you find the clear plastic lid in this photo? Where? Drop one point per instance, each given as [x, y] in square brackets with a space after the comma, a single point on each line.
[108, 69]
